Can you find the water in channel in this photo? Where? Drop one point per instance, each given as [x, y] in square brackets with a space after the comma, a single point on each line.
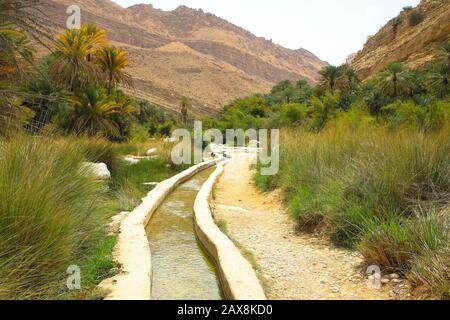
[181, 269]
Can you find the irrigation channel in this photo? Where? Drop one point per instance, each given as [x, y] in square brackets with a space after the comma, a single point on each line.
[181, 269]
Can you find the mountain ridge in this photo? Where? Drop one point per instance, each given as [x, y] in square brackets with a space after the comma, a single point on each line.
[224, 62]
[399, 40]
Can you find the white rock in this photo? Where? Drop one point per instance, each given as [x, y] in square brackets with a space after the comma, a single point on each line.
[170, 140]
[152, 151]
[394, 276]
[99, 170]
[131, 160]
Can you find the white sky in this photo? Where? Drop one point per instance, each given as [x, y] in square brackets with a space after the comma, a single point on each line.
[331, 29]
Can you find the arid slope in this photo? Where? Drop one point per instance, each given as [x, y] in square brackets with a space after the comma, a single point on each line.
[192, 53]
[399, 40]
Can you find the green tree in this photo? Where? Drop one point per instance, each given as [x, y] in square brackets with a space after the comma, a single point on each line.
[439, 80]
[16, 54]
[283, 92]
[71, 65]
[184, 105]
[322, 110]
[92, 113]
[47, 100]
[393, 81]
[293, 114]
[406, 114]
[112, 62]
[414, 82]
[97, 36]
[331, 75]
[350, 74]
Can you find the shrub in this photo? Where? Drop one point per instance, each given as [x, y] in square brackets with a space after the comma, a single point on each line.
[406, 113]
[95, 149]
[430, 273]
[293, 114]
[394, 243]
[371, 187]
[48, 211]
[415, 17]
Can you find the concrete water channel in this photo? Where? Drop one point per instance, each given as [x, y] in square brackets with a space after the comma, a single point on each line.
[181, 269]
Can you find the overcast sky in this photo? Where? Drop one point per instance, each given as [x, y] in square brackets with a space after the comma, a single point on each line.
[331, 29]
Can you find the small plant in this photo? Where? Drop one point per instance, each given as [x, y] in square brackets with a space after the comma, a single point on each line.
[407, 8]
[415, 17]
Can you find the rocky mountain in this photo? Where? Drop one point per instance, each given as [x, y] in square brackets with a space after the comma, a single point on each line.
[412, 38]
[187, 52]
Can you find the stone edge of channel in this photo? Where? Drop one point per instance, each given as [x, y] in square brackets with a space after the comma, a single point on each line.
[239, 280]
[132, 250]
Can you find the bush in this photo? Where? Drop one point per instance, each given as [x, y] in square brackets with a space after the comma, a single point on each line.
[48, 212]
[430, 272]
[293, 114]
[394, 244]
[370, 187]
[415, 17]
[95, 149]
[406, 113]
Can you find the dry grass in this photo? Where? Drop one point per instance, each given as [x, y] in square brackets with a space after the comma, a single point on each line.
[377, 189]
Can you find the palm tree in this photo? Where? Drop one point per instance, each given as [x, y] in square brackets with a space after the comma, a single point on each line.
[392, 80]
[15, 56]
[439, 80]
[125, 104]
[15, 52]
[97, 37]
[350, 78]
[47, 99]
[113, 61]
[414, 81]
[184, 104]
[349, 73]
[71, 65]
[284, 91]
[331, 75]
[92, 113]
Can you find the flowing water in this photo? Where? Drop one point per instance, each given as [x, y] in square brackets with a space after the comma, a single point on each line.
[181, 269]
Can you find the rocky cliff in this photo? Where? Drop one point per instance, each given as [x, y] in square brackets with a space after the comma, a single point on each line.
[412, 38]
[187, 52]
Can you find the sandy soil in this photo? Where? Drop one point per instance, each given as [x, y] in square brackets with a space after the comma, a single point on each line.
[292, 266]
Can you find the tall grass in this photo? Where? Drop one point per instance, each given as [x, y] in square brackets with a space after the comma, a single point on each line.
[383, 191]
[48, 208]
[53, 212]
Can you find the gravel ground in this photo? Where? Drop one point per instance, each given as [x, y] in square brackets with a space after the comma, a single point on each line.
[292, 266]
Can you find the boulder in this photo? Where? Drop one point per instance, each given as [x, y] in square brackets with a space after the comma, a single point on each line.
[151, 151]
[99, 170]
[130, 160]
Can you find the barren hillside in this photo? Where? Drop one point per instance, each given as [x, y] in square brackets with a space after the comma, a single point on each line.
[192, 53]
[412, 38]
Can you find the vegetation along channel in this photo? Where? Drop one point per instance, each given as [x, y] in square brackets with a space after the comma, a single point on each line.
[181, 269]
